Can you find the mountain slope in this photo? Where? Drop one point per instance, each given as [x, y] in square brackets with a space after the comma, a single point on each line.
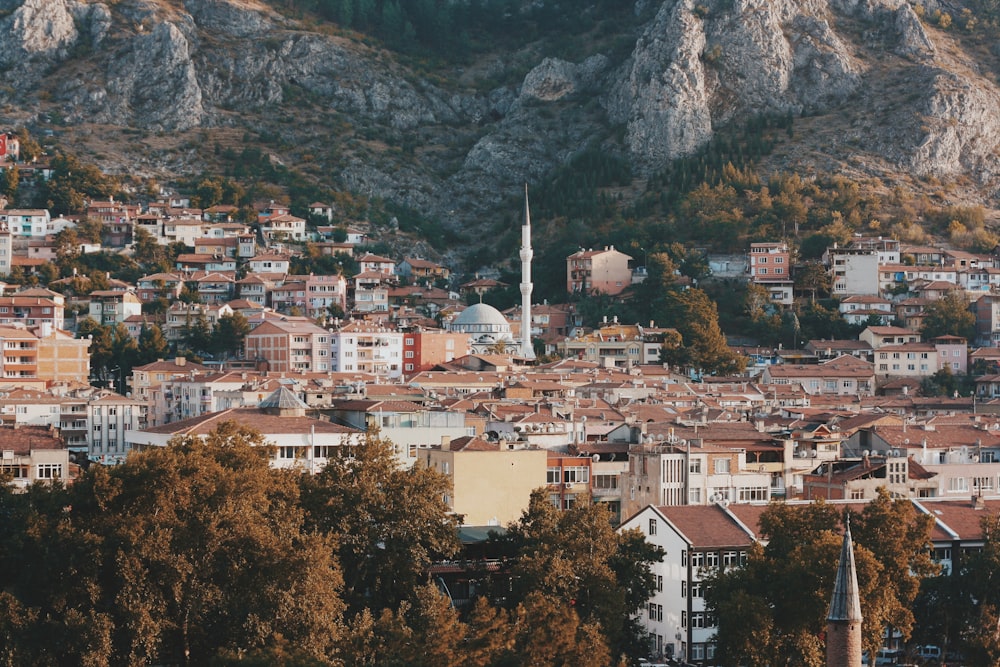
[156, 87]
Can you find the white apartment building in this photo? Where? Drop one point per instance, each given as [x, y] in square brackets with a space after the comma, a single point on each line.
[110, 417]
[359, 346]
[30, 223]
[697, 540]
[854, 272]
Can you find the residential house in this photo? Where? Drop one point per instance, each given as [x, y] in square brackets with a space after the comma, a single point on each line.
[855, 271]
[770, 267]
[268, 263]
[614, 344]
[33, 454]
[880, 336]
[370, 263]
[844, 376]
[299, 442]
[110, 307]
[598, 271]
[421, 270]
[858, 309]
[906, 360]
[283, 228]
[425, 349]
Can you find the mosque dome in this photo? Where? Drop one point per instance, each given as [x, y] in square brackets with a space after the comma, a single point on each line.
[480, 317]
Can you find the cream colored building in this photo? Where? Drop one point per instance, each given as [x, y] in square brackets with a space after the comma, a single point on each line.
[491, 481]
[61, 357]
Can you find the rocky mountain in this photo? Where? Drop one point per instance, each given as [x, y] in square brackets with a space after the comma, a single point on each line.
[147, 86]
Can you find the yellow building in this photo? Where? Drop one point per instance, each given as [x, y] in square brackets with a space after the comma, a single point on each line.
[62, 358]
[491, 481]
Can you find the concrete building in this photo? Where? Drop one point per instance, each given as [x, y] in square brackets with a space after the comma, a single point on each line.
[598, 271]
[32, 454]
[696, 541]
[290, 344]
[111, 307]
[770, 267]
[360, 346]
[300, 443]
[492, 480]
[422, 350]
[855, 272]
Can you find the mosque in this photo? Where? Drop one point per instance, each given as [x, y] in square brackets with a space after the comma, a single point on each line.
[486, 326]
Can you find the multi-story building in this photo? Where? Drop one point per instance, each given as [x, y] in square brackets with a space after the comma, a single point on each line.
[422, 350]
[111, 307]
[31, 223]
[31, 311]
[770, 267]
[148, 381]
[697, 541]
[906, 360]
[61, 357]
[269, 263]
[283, 228]
[844, 376]
[182, 315]
[421, 270]
[289, 344]
[376, 264]
[598, 271]
[20, 355]
[322, 292]
[110, 417]
[6, 249]
[614, 344]
[492, 480]
[368, 348]
[371, 292]
[855, 272]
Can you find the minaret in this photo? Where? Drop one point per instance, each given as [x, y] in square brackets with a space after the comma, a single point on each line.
[527, 349]
[843, 623]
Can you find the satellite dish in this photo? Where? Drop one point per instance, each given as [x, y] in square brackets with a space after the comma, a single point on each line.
[812, 453]
[595, 458]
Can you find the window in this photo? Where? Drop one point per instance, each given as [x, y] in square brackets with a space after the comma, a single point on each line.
[684, 558]
[552, 475]
[730, 559]
[698, 619]
[697, 589]
[697, 559]
[324, 451]
[684, 589]
[286, 452]
[712, 559]
[576, 475]
[49, 471]
[684, 619]
[652, 526]
[652, 611]
[694, 466]
[957, 484]
[659, 582]
[605, 481]
[753, 493]
[694, 496]
[982, 483]
[721, 466]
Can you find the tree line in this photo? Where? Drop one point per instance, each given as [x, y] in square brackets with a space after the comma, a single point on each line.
[199, 553]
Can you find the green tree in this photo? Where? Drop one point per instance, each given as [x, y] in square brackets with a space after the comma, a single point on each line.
[812, 277]
[196, 334]
[10, 178]
[949, 316]
[152, 344]
[229, 333]
[389, 523]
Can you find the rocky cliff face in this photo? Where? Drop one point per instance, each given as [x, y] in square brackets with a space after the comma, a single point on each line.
[904, 95]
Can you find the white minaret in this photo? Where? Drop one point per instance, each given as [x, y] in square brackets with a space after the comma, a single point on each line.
[527, 349]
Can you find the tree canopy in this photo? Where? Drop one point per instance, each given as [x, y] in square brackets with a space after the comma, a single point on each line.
[761, 624]
[949, 316]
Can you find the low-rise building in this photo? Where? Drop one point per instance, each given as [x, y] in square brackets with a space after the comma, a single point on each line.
[598, 272]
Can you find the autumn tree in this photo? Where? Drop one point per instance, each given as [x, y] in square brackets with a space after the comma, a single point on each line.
[949, 316]
[760, 624]
[389, 523]
[704, 346]
[179, 554]
[575, 559]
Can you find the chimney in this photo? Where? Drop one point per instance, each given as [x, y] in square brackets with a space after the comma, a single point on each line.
[445, 443]
[180, 361]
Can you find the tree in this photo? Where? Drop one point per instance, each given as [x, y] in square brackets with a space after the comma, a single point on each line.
[177, 555]
[759, 623]
[388, 523]
[695, 316]
[10, 178]
[229, 333]
[949, 316]
[575, 560]
[812, 277]
[196, 335]
[152, 344]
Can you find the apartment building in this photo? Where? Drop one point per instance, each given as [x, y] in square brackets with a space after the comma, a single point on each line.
[367, 348]
[289, 344]
[598, 271]
[770, 267]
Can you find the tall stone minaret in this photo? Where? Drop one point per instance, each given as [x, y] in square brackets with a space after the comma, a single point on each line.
[843, 623]
[527, 349]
